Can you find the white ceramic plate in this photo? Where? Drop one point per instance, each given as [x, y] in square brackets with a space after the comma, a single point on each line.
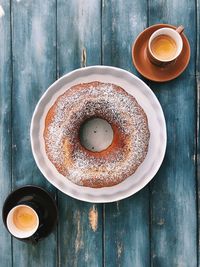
[156, 121]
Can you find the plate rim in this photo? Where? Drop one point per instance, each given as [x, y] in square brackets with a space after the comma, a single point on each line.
[82, 198]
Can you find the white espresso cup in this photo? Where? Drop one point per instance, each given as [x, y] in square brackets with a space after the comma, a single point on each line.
[22, 221]
[175, 36]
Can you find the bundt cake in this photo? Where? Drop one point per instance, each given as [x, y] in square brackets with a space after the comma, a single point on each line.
[130, 134]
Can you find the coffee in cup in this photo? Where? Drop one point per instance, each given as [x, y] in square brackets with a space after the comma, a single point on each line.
[165, 45]
[22, 221]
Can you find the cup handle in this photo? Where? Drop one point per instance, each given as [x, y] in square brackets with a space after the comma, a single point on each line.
[180, 29]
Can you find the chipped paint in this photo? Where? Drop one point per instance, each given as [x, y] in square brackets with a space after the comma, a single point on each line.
[83, 58]
[2, 13]
[83, 13]
[117, 212]
[37, 37]
[93, 218]
[119, 249]
[161, 222]
[78, 240]
[118, 207]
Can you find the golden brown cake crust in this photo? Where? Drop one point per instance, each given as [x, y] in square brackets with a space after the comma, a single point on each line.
[120, 159]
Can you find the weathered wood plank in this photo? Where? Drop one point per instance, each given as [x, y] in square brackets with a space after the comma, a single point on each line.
[34, 69]
[79, 27]
[126, 222]
[173, 193]
[5, 125]
[80, 228]
[198, 122]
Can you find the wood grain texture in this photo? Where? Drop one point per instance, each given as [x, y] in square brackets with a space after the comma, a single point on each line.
[5, 125]
[79, 27]
[126, 229]
[80, 228]
[173, 192]
[157, 226]
[34, 69]
[198, 122]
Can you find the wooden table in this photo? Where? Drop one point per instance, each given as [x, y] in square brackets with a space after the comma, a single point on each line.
[40, 41]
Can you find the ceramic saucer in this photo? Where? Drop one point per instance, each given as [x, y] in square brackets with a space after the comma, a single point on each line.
[48, 213]
[151, 71]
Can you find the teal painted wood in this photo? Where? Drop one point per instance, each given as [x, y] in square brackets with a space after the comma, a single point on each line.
[126, 229]
[79, 27]
[5, 125]
[34, 69]
[80, 227]
[173, 192]
[198, 123]
[80, 233]
[126, 238]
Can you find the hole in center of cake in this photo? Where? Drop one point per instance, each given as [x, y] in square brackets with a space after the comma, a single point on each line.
[96, 134]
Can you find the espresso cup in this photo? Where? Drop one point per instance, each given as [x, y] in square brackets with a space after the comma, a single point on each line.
[165, 46]
[22, 221]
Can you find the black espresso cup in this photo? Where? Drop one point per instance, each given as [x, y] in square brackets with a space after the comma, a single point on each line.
[30, 213]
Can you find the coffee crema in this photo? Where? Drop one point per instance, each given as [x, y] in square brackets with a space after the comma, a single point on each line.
[164, 47]
[24, 218]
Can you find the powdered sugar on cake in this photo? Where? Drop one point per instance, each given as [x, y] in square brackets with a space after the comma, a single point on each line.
[103, 100]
